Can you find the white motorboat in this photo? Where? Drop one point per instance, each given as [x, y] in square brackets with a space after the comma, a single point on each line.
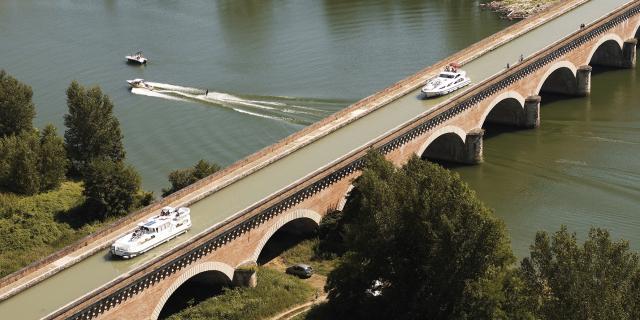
[449, 80]
[139, 83]
[153, 232]
[137, 58]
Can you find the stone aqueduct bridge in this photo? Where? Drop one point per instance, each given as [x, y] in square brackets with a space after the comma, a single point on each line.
[452, 131]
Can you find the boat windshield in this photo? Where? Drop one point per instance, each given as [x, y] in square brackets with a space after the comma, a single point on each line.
[445, 75]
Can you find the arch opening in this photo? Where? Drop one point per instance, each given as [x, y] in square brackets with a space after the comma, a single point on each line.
[508, 112]
[287, 236]
[196, 289]
[445, 149]
[561, 81]
[506, 116]
[608, 54]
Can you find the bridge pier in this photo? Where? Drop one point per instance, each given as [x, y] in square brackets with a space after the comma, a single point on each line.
[473, 147]
[245, 276]
[609, 55]
[451, 148]
[629, 53]
[531, 112]
[584, 81]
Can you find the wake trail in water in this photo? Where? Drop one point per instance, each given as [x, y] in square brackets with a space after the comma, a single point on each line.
[275, 108]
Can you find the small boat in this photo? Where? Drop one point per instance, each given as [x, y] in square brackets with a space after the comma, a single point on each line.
[153, 232]
[449, 80]
[139, 83]
[137, 58]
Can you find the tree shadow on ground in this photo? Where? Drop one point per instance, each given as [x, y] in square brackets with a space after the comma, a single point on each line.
[80, 216]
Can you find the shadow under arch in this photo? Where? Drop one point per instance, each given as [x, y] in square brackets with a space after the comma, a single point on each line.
[559, 79]
[298, 222]
[607, 52]
[506, 109]
[205, 279]
[444, 145]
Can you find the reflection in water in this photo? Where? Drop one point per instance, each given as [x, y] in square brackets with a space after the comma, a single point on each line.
[579, 168]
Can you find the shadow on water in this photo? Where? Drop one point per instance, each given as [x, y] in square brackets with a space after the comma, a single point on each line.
[494, 130]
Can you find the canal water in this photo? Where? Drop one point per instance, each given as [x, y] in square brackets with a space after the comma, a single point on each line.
[273, 67]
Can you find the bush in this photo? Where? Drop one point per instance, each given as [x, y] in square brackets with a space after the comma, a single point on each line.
[30, 164]
[111, 187]
[29, 228]
[184, 177]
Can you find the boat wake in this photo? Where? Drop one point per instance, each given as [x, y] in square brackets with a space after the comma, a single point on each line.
[294, 110]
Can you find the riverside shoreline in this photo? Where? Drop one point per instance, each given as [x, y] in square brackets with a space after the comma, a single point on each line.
[518, 9]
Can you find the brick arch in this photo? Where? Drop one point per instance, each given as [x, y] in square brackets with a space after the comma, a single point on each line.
[282, 220]
[635, 32]
[345, 197]
[605, 38]
[502, 97]
[223, 268]
[440, 132]
[555, 67]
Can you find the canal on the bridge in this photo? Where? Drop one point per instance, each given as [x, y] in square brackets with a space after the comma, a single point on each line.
[273, 67]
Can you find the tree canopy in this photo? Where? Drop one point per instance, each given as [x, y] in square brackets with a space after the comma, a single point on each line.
[16, 107]
[598, 280]
[53, 158]
[183, 177]
[111, 186]
[93, 132]
[422, 239]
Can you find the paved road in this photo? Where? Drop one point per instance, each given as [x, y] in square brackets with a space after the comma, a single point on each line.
[98, 269]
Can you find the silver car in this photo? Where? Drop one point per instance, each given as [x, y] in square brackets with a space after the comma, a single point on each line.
[301, 270]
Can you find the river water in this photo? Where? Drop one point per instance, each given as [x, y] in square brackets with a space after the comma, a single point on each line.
[272, 67]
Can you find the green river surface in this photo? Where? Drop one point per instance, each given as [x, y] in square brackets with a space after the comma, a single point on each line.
[272, 67]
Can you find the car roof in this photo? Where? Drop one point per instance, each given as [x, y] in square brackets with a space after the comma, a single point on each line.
[302, 265]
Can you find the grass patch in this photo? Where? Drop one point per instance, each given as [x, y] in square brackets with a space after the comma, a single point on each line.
[307, 252]
[30, 227]
[275, 293]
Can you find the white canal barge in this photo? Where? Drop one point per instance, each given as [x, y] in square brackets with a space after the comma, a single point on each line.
[449, 80]
[153, 232]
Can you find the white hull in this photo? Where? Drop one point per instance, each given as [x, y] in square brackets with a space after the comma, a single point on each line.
[152, 233]
[138, 60]
[150, 244]
[437, 93]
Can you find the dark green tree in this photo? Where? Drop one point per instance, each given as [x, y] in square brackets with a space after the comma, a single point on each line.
[183, 177]
[111, 187]
[433, 249]
[93, 132]
[598, 280]
[25, 173]
[16, 108]
[8, 147]
[53, 158]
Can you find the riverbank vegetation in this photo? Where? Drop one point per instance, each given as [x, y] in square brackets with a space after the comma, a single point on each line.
[53, 191]
[35, 226]
[518, 9]
[425, 247]
[275, 292]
